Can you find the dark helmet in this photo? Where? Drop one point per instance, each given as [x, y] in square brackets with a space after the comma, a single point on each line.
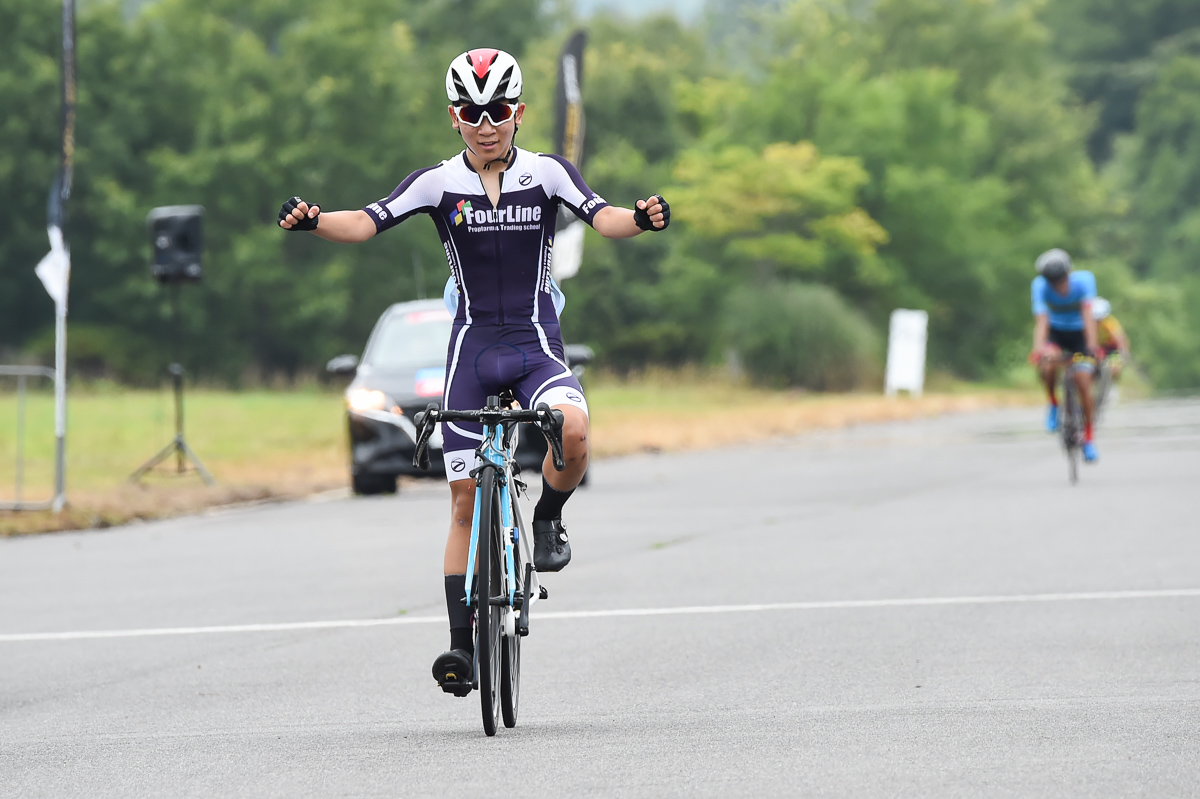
[1054, 265]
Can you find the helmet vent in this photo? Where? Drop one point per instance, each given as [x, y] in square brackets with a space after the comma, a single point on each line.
[463, 94]
[502, 89]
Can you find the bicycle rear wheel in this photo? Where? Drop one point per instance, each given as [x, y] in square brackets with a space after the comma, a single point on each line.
[488, 618]
[1100, 387]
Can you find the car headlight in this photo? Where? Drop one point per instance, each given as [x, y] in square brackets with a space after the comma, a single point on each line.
[363, 399]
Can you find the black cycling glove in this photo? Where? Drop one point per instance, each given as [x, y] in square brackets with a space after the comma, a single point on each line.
[641, 217]
[304, 224]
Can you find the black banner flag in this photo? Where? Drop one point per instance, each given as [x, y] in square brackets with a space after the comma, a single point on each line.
[60, 192]
[568, 138]
[568, 116]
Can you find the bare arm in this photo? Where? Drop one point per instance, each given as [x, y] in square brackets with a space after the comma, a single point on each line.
[340, 226]
[1122, 341]
[613, 222]
[345, 226]
[1041, 331]
[1089, 327]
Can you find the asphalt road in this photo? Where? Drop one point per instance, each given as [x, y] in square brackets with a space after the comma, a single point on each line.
[922, 609]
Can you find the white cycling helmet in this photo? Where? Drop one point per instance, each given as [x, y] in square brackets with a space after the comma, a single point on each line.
[483, 76]
[1100, 308]
[1054, 265]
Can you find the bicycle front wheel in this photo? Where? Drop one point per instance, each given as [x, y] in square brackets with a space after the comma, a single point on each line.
[510, 665]
[488, 618]
[1071, 430]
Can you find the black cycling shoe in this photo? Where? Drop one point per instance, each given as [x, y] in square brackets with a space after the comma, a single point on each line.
[551, 549]
[452, 670]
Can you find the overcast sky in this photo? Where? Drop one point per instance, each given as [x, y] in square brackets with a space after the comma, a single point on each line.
[687, 9]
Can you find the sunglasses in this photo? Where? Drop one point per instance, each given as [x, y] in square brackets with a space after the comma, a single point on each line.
[497, 113]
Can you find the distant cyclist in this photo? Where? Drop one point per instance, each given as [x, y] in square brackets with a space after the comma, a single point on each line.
[1065, 333]
[494, 206]
[1110, 336]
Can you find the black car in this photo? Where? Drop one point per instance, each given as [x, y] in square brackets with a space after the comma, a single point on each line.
[402, 371]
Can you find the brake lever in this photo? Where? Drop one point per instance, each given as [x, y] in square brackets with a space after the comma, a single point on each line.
[551, 422]
[425, 421]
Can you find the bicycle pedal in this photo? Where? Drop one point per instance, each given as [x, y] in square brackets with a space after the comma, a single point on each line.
[452, 683]
[453, 674]
[459, 689]
[543, 593]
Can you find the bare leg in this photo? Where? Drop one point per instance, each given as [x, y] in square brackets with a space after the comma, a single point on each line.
[462, 511]
[1048, 369]
[575, 450]
[1083, 381]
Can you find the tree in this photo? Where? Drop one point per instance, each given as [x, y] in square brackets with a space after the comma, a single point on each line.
[1160, 168]
[29, 127]
[973, 150]
[1113, 48]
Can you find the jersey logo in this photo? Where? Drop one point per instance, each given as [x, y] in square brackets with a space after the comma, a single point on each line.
[463, 214]
[507, 218]
[377, 209]
[592, 203]
[525, 179]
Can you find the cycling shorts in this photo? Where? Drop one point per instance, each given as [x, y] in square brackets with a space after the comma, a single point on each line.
[1073, 343]
[482, 361]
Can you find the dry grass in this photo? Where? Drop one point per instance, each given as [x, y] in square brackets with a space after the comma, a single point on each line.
[653, 430]
[693, 409]
[268, 445]
[166, 493]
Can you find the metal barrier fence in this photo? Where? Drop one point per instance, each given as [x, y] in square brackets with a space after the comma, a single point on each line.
[23, 373]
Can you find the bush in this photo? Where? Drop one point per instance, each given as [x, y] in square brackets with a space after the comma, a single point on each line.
[800, 335]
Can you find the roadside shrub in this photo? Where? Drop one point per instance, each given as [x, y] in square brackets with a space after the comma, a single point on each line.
[801, 335]
[103, 352]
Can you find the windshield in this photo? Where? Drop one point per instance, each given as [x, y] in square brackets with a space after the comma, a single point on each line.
[417, 338]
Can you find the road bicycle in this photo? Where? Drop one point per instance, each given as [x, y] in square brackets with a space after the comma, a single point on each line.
[502, 585]
[1072, 424]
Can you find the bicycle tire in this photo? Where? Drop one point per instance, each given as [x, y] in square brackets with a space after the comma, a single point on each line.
[488, 619]
[1071, 429]
[1102, 384]
[510, 662]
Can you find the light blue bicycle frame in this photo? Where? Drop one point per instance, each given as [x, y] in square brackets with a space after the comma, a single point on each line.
[492, 451]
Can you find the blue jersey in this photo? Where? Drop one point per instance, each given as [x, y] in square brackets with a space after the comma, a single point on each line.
[1064, 310]
[499, 255]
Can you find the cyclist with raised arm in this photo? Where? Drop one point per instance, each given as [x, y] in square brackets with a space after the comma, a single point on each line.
[1064, 332]
[494, 206]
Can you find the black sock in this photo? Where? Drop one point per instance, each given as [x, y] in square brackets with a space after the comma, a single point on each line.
[550, 504]
[460, 614]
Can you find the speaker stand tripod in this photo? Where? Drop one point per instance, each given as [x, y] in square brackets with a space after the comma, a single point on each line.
[179, 446]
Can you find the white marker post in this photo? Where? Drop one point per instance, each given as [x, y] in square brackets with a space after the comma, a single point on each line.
[55, 273]
[907, 335]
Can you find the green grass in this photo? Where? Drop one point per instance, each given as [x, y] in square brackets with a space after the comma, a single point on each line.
[274, 443]
[112, 431]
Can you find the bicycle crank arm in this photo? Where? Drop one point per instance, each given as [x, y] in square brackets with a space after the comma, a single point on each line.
[523, 621]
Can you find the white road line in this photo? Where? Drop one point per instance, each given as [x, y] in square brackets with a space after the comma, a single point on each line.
[231, 628]
[1170, 593]
[876, 603]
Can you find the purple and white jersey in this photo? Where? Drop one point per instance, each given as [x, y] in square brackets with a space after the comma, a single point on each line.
[499, 256]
